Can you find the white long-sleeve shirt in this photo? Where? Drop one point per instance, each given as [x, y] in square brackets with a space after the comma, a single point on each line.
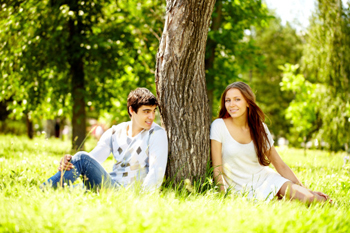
[142, 158]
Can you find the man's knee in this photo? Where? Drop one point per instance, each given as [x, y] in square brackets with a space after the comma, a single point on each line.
[81, 155]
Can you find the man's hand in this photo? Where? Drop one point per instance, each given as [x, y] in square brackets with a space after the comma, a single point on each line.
[65, 163]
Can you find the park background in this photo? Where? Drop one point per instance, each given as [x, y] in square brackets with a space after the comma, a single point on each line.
[74, 62]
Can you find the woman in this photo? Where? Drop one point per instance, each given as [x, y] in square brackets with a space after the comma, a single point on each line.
[242, 148]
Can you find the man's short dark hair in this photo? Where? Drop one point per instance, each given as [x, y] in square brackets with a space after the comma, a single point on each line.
[140, 96]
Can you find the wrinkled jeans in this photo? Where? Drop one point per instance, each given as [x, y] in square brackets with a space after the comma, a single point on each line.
[94, 175]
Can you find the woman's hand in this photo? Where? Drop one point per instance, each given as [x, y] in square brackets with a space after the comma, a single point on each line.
[65, 163]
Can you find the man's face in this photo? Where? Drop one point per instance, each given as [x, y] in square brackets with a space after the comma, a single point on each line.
[144, 117]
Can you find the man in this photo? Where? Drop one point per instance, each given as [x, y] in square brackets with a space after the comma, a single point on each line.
[140, 148]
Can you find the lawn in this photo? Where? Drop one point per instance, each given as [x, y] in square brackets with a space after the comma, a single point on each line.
[25, 164]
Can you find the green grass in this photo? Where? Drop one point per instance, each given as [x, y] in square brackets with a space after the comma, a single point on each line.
[25, 164]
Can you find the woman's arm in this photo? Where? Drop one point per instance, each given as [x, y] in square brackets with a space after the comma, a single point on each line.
[216, 158]
[281, 167]
[284, 170]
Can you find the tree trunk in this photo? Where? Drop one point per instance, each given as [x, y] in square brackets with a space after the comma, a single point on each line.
[181, 87]
[30, 130]
[79, 114]
[209, 60]
[77, 84]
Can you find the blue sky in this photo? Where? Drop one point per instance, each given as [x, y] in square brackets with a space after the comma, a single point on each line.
[295, 11]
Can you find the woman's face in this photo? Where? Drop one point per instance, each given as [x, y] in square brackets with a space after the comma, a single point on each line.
[235, 103]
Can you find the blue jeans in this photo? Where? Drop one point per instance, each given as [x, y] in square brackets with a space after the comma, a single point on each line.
[94, 175]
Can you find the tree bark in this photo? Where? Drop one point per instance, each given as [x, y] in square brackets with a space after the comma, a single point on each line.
[209, 60]
[181, 87]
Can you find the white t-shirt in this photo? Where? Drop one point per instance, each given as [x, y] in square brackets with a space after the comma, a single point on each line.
[241, 167]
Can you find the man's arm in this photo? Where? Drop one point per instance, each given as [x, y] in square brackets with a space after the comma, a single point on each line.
[100, 152]
[104, 147]
[158, 157]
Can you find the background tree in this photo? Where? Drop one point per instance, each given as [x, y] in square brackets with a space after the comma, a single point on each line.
[278, 44]
[61, 57]
[181, 88]
[302, 111]
[326, 61]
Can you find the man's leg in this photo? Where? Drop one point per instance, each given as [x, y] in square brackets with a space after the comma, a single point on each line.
[94, 175]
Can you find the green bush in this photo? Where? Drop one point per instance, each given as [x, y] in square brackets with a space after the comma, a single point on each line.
[13, 127]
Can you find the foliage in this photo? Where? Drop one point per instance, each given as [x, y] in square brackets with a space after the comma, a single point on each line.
[251, 51]
[278, 44]
[24, 207]
[13, 127]
[112, 41]
[326, 61]
[302, 111]
[228, 52]
[146, 19]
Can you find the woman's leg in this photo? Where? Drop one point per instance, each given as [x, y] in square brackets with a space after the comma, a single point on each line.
[293, 191]
[94, 175]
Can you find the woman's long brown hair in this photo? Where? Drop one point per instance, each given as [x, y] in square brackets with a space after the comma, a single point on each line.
[255, 116]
